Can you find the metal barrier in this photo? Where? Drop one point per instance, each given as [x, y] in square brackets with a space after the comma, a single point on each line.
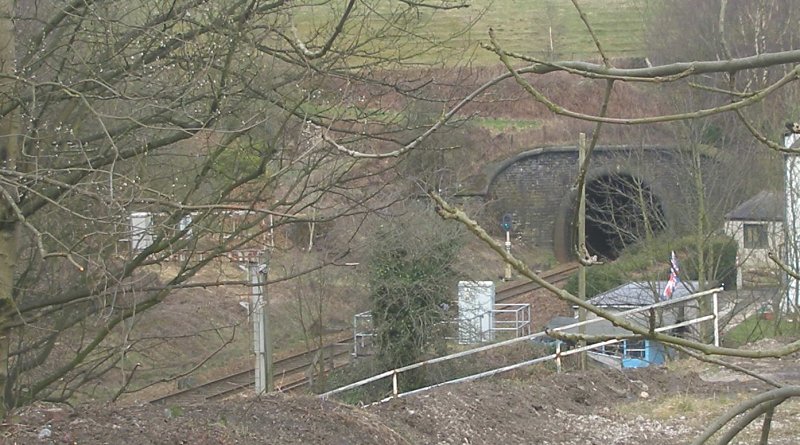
[362, 330]
[505, 317]
[520, 325]
[556, 356]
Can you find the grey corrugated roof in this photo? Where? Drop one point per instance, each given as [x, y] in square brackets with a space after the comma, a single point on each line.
[639, 293]
[764, 206]
[603, 327]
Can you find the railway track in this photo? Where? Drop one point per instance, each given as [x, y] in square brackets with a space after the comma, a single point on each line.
[290, 373]
[555, 275]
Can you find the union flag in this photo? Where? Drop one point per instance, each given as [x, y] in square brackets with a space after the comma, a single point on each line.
[673, 278]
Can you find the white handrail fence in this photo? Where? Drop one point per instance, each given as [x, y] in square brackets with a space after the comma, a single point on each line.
[556, 356]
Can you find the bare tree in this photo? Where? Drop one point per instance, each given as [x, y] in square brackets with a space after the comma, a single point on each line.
[135, 133]
[730, 78]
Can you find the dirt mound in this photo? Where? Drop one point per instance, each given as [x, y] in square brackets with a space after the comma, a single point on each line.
[644, 407]
[274, 419]
[557, 409]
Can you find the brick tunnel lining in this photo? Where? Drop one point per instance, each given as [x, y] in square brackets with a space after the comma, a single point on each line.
[620, 209]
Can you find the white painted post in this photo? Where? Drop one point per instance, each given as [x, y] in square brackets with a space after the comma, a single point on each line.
[355, 336]
[394, 384]
[508, 251]
[792, 220]
[262, 346]
[558, 356]
[716, 318]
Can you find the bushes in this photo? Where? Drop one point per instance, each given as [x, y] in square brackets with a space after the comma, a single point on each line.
[410, 279]
[720, 255]
[598, 279]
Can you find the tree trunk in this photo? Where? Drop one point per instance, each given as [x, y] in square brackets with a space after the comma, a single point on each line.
[9, 137]
[7, 261]
[703, 229]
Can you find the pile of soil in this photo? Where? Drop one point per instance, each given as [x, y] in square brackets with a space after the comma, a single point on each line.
[558, 409]
[537, 406]
[273, 419]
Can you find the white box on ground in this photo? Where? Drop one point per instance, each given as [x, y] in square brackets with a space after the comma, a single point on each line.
[141, 230]
[475, 304]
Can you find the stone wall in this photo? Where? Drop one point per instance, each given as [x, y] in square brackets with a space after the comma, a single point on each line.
[538, 188]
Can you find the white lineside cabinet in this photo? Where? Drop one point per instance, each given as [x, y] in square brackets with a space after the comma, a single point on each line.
[475, 304]
[141, 230]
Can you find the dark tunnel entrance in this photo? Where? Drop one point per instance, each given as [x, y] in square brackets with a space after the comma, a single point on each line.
[620, 210]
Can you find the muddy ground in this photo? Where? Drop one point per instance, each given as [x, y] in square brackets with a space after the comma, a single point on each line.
[652, 406]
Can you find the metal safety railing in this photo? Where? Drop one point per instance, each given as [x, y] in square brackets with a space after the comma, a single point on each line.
[512, 317]
[362, 330]
[505, 317]
[393, 374]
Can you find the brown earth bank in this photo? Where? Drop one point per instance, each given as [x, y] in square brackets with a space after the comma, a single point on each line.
[649, 406]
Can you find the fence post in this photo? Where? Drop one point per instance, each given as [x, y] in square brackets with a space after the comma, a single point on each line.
[716, 318]
[394, 383]
[558, 356]
[355, 334]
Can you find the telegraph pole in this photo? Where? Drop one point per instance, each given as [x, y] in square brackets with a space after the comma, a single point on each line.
[582, 242]
[262, 341]
[792, 220]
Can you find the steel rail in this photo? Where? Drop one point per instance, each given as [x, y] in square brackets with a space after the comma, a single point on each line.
[239, 381]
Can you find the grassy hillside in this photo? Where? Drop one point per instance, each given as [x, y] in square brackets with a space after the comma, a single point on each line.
[550, 29]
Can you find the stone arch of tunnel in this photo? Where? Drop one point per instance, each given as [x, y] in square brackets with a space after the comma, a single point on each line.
[620, 210]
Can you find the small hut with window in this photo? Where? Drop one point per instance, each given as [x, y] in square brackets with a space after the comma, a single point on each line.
[633, 352]
[757, 227]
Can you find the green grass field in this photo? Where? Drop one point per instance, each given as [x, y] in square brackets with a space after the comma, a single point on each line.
[547, 29]
[755, 328]
[550, 29]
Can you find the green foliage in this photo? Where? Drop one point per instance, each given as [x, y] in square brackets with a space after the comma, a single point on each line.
[499, 125]
[528, 27]
[757, 327]
[720, 258]
[239, 160]
[410, 277]
[598, 279]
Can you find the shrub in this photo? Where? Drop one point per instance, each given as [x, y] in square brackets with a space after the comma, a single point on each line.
[598, 279]
[411, 278]
[720, 254]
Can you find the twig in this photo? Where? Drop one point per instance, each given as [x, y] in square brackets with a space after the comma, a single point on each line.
[559, 110]
[765, 427]
[447, 211]
[128, 380]
[742, 423]
[444, 6]
[771, 255]
[589, 28]
[775, 395]
[761, 138]
[729, 365]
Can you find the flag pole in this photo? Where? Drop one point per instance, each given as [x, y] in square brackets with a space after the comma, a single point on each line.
[582, 242]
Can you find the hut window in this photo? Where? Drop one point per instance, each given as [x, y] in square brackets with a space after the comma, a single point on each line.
[635, 349]
[755, 236]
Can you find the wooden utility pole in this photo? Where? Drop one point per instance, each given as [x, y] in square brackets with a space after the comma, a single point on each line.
[9, 156]
[581, 241]
[262, 341]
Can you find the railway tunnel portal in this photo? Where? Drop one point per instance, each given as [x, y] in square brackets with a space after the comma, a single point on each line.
[630, 191]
